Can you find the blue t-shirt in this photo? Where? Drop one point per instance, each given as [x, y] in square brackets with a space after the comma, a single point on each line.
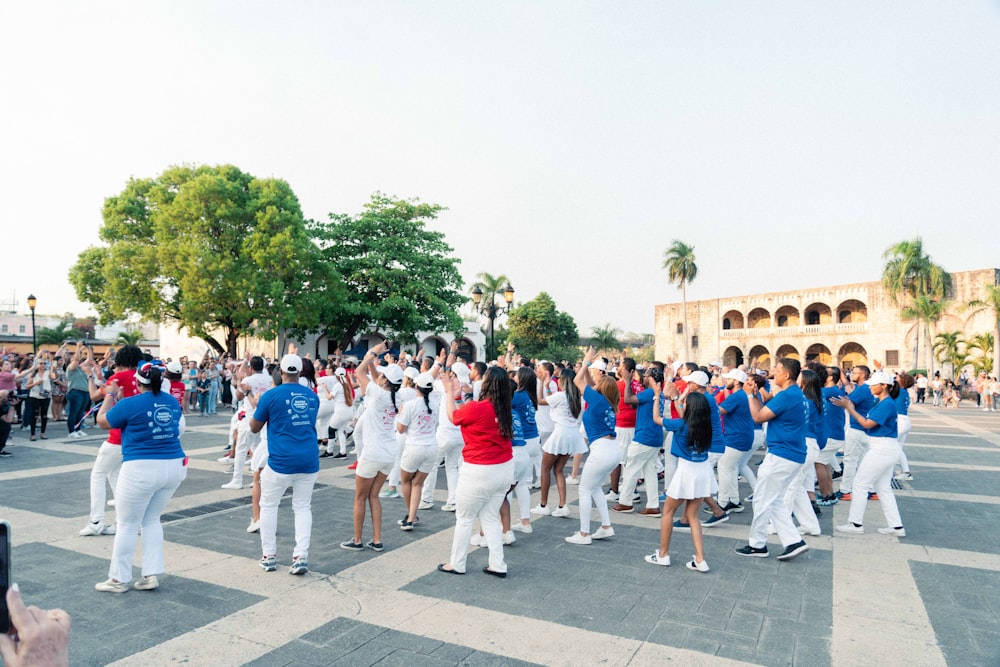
[902, 402]
[647, 432]
[679, 446]
[863, 402]
[884, 413]
[816, 424]
[290, 413]
[834, 414]
[599, 417]
[786, 433]
[718, 439]
[738, 424]
[524, 418]
[150, 426]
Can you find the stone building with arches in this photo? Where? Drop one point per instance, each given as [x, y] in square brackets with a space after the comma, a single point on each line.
[841, 325]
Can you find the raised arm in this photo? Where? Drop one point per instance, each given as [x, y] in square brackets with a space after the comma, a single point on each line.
[583, 378]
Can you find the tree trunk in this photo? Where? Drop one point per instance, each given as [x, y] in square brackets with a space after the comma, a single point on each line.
[684, 317]
[916, 348]
[214, 344]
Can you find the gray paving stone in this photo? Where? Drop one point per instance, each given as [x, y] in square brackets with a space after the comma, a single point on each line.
[950, 524]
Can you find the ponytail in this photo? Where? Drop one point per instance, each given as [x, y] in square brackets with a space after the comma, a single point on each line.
[426, 391]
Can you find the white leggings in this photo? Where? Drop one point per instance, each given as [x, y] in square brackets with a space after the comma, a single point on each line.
[603, 458]
[522, 477]
[733, 464]
[875, 472]
[903, 428]
[105, 470]
[481, 490]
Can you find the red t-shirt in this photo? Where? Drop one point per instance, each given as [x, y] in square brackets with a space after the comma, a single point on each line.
[626, 413]
[126, 380]
[484, 443]
[681, 386]
[177, 389]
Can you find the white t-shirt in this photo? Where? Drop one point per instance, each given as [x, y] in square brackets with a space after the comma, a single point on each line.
[258, 383]
[421, 427]
[543, 416]
[561, 414]
[379, 425]
[329, 384]
[446, 431]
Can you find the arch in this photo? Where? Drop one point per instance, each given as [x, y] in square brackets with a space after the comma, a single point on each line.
[789, 352]
[732, 357]
[432, 345]
[733, 319]
[760, 356]
[759, 318]
[818, 313]
[466, 348]
[852, 354]
[819, 353]
[852, 311]
[787, 316]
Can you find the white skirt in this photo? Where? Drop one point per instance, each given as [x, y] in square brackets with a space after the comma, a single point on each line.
[692, 480]
[565, 440]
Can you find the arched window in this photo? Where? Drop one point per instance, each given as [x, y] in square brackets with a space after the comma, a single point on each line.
[727, 323]
[812, 317]
[782, 320]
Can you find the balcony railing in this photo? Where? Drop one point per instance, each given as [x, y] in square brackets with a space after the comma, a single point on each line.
[806, 330]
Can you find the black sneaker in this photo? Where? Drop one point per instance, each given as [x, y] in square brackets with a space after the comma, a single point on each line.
[837, 474]
[793, 550]
[375, 546]
[758, 552]
[325, 455]
[733, 507]
[5, 454]
[338, 455]
[351, 545]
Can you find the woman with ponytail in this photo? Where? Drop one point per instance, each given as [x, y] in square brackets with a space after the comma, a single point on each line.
[341, 397]
[153, 466]
[565, 441]
[418, 421]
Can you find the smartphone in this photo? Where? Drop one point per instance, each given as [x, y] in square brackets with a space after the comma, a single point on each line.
[4, 575]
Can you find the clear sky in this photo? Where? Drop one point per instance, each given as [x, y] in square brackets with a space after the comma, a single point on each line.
[790, 142]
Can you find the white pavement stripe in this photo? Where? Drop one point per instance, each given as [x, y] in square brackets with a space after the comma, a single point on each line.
[956, 497]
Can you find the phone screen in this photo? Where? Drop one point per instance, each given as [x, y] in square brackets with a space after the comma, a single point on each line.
[4, 575]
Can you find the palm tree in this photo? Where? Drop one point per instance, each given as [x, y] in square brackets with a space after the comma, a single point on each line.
[925, 310]
[949, 347]
[56, 335]
[678, 260]
[992, 302]
[605, 339]
[129, 337]
[984, 343]
[489, 285]
[910, 275]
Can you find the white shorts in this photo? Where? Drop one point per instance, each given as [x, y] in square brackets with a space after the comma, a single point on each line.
[419, 458]
[369, 469]
[828, 455]
[259, 459]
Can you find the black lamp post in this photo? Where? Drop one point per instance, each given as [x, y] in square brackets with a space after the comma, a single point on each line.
[32, 302]
[490, 308]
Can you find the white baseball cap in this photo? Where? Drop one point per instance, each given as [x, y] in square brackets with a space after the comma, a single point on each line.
[393, 373]
[880, 377]
[461, 370]
[599, 365]
[424, 380]
[411, 372]
[699, 378]
[291, 363]
[736, 374]
[175, 367]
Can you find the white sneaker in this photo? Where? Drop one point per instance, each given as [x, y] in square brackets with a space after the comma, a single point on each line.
[448, 507]
[904, 477]
[523, 528]
[577, 538]
[656, 559]
[146, 583]
[93, 529]
[602, 533]
[851, 529]
[889, 530]
[254, 526]
[612, 496]
[225, 459]
[693, 564]
[112, 586]
[425, 505]
[236, 486]
[573, 481]
[111, 503]
[561, 511]
[803, 531]
[541, 509]
[477, 540]
[109, 529]
[508, 538]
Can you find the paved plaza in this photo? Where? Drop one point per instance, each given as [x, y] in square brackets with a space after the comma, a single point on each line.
[931, 598]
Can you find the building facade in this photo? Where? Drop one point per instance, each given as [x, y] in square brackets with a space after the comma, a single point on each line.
[842, 325]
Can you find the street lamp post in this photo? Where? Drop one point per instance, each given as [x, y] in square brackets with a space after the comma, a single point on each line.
[490, 308]
[32, 302]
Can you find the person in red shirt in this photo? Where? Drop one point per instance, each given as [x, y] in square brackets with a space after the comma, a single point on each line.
[109, 456]
[624, 423]
[488, 468]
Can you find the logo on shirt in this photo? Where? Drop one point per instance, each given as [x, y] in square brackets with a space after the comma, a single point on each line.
[162, 416]
[299, 404]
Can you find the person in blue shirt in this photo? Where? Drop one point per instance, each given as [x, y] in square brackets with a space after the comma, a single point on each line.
[785, 414]
[524, 405]
[856, 440]
[876, 467]
[904, 381]
[697, 383]
[153, 466]
[738, 428]
[289, 412]
[640, 458]
[798, 496]
[599, 418]
[827, 466]
[693, 481]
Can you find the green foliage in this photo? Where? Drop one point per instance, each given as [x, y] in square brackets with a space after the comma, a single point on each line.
[605, 339]
[679, 261]
[56, 335]
[209, 248]
[991, 302]
[129, 338]
[539, 330]
[981, 352]
[950, 348]
[910, 271]
[400, 275]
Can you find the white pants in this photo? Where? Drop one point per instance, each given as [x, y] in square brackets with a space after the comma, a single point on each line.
[272, 486]
[875, 472]
[481, 490]
[144, 488]
[903, 428]
[339, 421]
[245, 441]
[623, 437]
[640, 462]
[451, 450]
[732, 464]
[522, 476]
[797, 497]
[105, 471]
[855, 446]
[774, 477]
[603, 458]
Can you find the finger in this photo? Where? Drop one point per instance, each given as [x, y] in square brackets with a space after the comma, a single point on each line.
[60, 617]
[8, 650]
[20, 616]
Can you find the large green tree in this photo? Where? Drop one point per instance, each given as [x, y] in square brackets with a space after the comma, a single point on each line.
[950, 348]
[540, 330]
[679, 262]
[605, 339]
[401, 276]
[913, 280]
[926, 311]
[211, 248]
[990, 301]
[983, 344]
